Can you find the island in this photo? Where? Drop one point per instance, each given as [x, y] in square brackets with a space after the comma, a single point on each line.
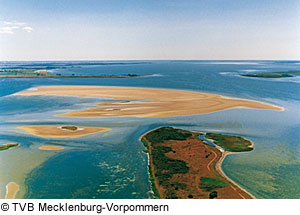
[31, 73]
[287, 74]
[8, 146]
[61, 131]
[181, 165]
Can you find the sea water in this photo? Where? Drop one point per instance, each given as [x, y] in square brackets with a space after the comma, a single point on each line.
[112, 164]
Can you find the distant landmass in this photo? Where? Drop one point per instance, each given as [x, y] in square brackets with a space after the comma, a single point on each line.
[31, 73]
[287, 74]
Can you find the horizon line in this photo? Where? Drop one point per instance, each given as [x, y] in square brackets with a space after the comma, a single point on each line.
[153, 60]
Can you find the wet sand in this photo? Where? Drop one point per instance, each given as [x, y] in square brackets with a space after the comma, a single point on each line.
[11, 190]
[59, 132]
[51, 148]
[153, 102]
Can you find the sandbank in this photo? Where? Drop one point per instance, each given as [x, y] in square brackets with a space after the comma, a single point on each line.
[59, 132]
[153, 102]
[11, 190]
[51, 148]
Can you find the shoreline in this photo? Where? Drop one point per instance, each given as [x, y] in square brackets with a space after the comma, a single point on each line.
[220, 170]
[222, 158]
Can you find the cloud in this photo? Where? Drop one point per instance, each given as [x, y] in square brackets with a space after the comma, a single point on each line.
[7, 30]
[28, 29]
[11, 27]
[14, 23]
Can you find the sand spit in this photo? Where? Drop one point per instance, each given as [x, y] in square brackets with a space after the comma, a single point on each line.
[51, 148]
[220, 170]
[59, 132]
[155, 102]
[11, 190]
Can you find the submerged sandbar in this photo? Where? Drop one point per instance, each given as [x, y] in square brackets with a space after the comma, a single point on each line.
[51, 148]
[61, 132]
[152, 102]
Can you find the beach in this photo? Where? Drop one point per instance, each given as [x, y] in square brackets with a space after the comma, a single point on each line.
[153, 102]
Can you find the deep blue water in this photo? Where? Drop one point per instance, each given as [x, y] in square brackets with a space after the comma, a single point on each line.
[112, 164]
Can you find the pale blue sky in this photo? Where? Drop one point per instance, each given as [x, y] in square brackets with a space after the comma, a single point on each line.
[149, 29]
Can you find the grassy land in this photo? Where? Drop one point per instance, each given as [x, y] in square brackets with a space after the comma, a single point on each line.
[212, 183]
[164, 166]
[274, 74]
[230, 143]
[8, 146]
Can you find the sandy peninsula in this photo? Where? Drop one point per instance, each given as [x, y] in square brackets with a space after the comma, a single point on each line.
[51, 148]
[147, 102]
[11, 190]
[61, 131]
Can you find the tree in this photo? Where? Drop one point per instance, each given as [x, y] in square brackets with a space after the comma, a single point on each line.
[213, 194]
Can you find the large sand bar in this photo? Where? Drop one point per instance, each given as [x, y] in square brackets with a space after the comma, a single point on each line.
[57, 131]
[11, 190]
[153, 102]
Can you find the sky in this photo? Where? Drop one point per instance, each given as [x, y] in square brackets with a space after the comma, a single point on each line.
[149, 29]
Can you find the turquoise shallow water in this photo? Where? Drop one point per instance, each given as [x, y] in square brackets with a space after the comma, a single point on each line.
[112, 164]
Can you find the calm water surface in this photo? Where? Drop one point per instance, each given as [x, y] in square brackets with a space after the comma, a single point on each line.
[112, 164]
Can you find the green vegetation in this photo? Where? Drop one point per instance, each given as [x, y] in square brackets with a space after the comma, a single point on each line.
[274, 74]
[213, 194]
[230, 143]
[7, 146]
[212, 183]
[164, 166]
[160, 135]
[132, 75]
[72, 128]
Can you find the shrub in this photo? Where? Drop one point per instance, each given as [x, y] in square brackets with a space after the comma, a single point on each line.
[213, 194]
